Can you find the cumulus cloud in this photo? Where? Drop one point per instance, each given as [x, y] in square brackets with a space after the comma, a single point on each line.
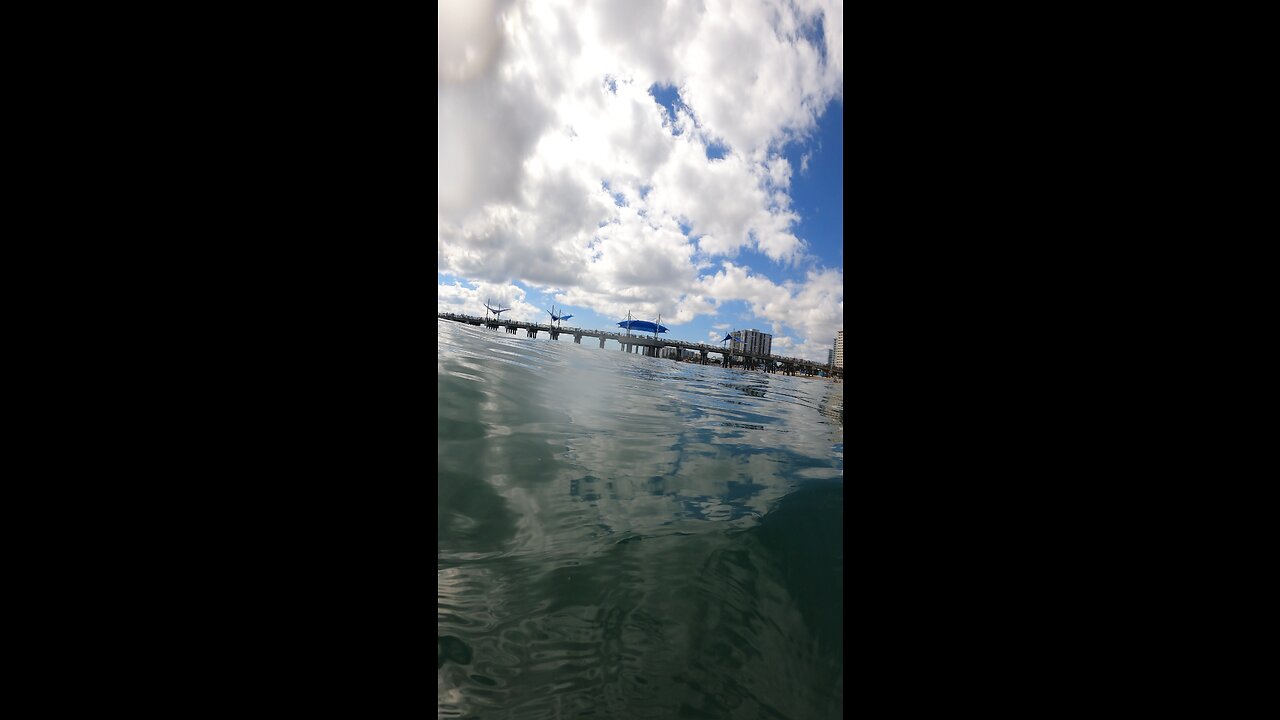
[558, 169]
[467, 37]
[457, 298]
[776, 95]
[813, 307]
[490, 112]
[727, 201]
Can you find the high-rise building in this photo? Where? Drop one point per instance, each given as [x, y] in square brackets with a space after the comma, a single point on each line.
[838, 349]
[752, 341]
[831, 354]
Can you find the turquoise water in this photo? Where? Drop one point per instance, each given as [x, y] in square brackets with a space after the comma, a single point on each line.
[630, 537]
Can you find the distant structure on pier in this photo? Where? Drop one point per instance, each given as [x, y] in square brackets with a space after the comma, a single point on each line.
[557, 318]
[496, 311]
[643, 326]
[752, 341]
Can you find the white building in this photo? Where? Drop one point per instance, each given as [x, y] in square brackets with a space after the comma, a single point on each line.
[677, 353]
[839, 348]
[751, 341]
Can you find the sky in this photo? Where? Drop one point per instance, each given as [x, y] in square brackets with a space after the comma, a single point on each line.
[682, 159]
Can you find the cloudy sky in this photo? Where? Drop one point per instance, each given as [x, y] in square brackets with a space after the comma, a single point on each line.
[682, 158]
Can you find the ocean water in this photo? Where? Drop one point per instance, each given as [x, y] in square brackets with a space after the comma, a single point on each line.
[630, 537]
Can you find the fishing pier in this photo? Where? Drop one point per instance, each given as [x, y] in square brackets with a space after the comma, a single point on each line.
[652, 346]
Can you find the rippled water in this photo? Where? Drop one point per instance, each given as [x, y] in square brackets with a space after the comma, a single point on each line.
[629, 537]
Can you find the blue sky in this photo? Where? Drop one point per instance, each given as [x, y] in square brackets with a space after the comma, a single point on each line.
[672, 158]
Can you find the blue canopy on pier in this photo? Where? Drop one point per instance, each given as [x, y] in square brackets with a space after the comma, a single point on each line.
[728, 337]
[555, 317]
[642, 326]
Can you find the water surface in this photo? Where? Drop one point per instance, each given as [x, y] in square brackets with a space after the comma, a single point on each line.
[630, 537]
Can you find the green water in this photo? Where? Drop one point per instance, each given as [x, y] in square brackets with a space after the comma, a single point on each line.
[629, 537]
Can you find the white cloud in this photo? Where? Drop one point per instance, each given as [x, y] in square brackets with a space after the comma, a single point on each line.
[815, 308]
[779, 92]
[727, 201]
[545, 122]
[456, 298]
[467, 38]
